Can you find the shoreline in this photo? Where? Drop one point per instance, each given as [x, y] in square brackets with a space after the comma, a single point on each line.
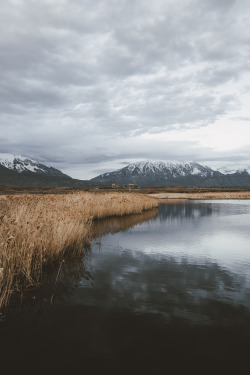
[40, 230]
[203, 196]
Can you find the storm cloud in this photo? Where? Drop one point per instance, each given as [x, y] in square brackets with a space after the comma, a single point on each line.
[86, 85]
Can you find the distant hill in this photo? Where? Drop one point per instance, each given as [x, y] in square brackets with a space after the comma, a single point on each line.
[19, 171]
[172, 173]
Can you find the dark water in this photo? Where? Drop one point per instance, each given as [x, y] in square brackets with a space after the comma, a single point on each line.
[169, 293]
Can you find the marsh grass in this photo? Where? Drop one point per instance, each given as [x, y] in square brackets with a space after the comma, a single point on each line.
[39, 230]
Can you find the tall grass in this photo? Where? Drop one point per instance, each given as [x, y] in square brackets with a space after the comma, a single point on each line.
[37, 230]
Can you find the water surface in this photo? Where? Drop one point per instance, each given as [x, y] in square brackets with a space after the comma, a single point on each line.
[168, 292]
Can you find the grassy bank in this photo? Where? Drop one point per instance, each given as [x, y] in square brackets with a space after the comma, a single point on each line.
[37, 230]
[203, 195]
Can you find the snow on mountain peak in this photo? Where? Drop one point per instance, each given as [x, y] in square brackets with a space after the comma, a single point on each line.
[230, 169]
[16, 162]
[156, 173]
[146, 166]
[244, 169]
[173, 167]
[20, 164]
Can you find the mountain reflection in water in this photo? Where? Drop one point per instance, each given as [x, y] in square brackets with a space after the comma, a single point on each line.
[155, 293]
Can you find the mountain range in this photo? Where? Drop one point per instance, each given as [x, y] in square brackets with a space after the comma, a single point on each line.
[173, 173]
[19, 171]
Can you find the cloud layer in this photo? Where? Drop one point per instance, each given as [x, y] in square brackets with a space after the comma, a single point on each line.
[85, 85]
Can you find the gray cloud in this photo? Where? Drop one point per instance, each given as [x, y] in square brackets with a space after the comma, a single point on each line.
[78, 75]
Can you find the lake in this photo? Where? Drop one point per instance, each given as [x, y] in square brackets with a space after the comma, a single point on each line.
[167, 290]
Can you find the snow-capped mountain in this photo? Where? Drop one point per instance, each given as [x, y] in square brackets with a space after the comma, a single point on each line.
[227, 170]
[21, 164]
[234, 169]
[19, 171]
[147, 173]
[243, 170]
[169, 168]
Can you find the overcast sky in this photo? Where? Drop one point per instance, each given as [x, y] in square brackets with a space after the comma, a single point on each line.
[88, 86]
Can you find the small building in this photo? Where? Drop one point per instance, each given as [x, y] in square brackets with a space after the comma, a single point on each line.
[132, 186]
[114, 186]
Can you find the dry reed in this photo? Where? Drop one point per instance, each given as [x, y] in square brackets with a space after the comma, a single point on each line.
[36, 230]
[203, 195]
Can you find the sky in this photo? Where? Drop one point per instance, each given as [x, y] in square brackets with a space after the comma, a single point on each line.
[88, 86]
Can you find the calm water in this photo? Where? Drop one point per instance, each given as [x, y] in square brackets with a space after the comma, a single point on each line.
[165, 291]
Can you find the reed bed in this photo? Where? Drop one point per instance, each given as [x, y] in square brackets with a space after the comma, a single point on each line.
[204, 195]
[38, 230]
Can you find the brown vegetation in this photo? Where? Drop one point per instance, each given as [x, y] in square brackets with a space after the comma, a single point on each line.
[203, 195]
[37, 230]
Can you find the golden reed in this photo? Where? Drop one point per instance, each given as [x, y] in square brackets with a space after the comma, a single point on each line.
[37, 230]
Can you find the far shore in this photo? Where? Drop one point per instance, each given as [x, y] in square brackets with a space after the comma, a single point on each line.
[207, 195]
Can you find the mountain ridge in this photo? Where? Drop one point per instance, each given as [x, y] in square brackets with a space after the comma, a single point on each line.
[20, 171]
[22, 164]
[171, 173]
